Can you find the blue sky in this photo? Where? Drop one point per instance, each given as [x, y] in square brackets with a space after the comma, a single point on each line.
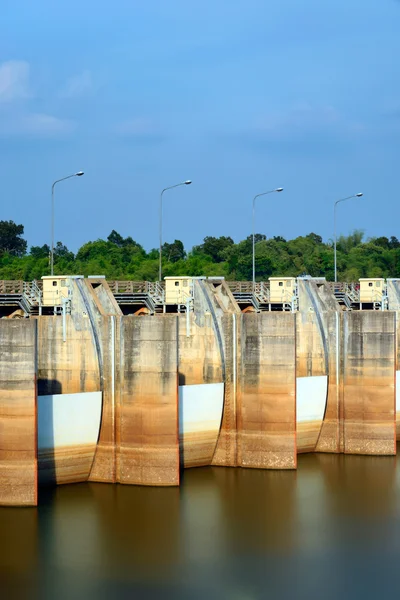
[239, 96]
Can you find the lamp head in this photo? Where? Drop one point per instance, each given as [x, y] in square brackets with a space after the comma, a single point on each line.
[79, 174]
[188, 182]
[279, 190]
[359, 195]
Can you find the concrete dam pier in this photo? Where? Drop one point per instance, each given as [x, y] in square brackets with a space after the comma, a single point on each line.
[99, 384]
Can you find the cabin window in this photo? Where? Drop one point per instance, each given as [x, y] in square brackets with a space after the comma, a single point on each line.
[185, 282]
[288, 283]
[54, 283]
[370, 284]
[378, 284]
[280, 283]
[63, 283]
[176, 283]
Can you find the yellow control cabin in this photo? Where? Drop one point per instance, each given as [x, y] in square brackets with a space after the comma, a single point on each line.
[281, 289]
[56, 287]
[371, 290]
[178, 290]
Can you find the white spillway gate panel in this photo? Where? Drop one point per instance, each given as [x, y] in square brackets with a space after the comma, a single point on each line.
[200, 407]
[69, 419]
[311, 397]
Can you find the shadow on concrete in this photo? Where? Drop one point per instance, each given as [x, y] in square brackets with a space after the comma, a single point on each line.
[46, 438]
[181, 381]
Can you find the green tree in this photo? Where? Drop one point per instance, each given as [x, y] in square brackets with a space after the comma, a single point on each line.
[116, 238]
[10, 238]
[173, 252]
[62, 252]
[40, 251]
[215, 247]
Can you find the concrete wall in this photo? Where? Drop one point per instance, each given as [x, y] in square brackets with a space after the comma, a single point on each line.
[267, 410]
[104, 464]
[225, 454]
[147, 419]
[312, 370]
[95, 299]
[76, 365]
[330, 438]
[18, 418]
[69, 367]
[66, 367]
[246, 382]
[215, 300]
[369, 418]
[393, 291]
[201, 364]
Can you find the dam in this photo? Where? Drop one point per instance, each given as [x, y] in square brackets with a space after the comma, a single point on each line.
[131, 382]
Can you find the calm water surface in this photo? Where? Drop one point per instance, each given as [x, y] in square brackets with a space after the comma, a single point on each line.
[329, 530]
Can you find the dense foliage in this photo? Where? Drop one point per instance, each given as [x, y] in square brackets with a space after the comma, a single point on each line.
[123, 258]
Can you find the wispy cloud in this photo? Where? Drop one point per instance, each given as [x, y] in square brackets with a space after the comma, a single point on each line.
[14, 80]
[77, 86]
[302, 129]
[305, 119]
[141, 129]
[35, 124]
[16, 115]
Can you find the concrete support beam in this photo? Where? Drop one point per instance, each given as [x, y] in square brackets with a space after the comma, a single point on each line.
[147, 420]
[267, 412]
[225, 454]
[18, 413]
[369, 417]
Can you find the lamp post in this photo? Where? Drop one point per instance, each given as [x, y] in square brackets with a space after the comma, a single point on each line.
[187, 182]
[334, 220]
[254, 245]
[78, 174]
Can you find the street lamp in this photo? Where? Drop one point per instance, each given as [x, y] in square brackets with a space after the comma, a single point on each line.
[78, 174]
[334, 219]
[254, 245]
[187, 182]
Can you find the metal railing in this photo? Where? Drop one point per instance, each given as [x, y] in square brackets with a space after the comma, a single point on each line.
[156, 290]
[241, 287]
[351, 290]
[136, 287]
[260, 289]
[12, 287]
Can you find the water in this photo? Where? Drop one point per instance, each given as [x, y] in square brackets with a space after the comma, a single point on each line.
[329, 530]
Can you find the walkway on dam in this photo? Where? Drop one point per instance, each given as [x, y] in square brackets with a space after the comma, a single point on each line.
[147, 297]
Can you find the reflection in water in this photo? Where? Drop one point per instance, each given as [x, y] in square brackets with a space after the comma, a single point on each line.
[330, 529]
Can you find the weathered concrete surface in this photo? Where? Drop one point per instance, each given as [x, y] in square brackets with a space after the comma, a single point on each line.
[226, 316]
[18, 416]
[104, 463]
[66, 367]
[147, 419]
[108, 303]
[319, 351]
[369, 418]
[311, 359]
[267, 411]
[330, 436]
[393, 292]
[225, 454]
[71, 367]
[201, 362]
[96, 300]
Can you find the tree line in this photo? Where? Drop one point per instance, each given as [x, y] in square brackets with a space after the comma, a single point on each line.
[123, 258]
